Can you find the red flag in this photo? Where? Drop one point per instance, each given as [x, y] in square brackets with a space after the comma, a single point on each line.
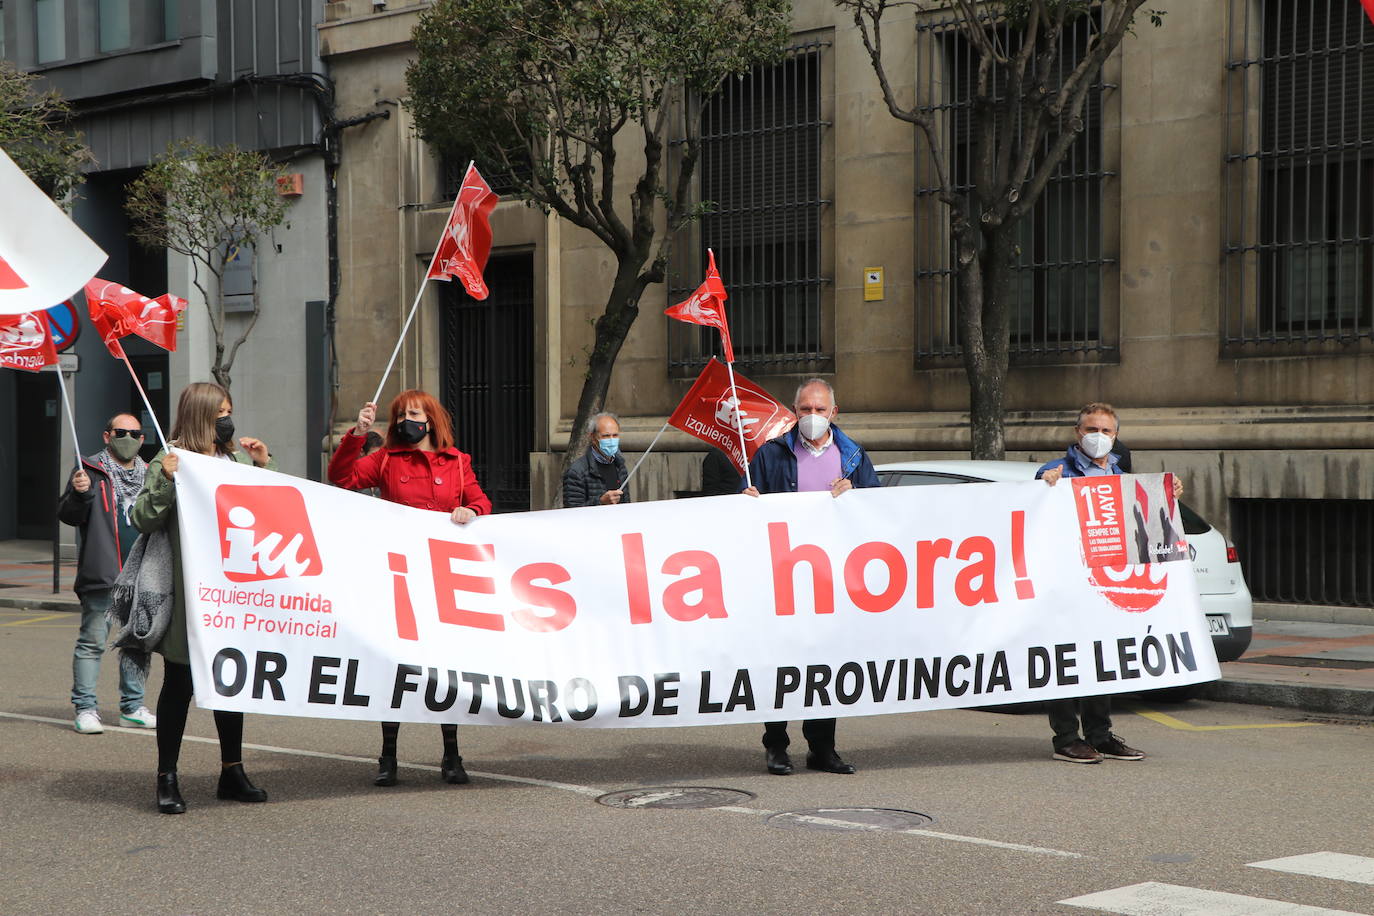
[709, 413]
[117, 311]
[1368, 8]
[707, 306]
[26, 342]
[466, 242]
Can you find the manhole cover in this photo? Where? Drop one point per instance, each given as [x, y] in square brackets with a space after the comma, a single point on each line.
[894, 819]
[675, 797]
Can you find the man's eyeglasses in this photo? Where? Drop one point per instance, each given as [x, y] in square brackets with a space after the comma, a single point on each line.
[121, 433]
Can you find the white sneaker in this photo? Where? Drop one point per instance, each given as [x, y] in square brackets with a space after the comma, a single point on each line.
[88, 722]
[140, 718]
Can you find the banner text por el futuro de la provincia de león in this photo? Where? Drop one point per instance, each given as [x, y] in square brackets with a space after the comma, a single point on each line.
[307, 600]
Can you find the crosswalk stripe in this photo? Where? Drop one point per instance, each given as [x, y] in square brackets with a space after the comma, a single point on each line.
[1154, 899]
[1335, 865]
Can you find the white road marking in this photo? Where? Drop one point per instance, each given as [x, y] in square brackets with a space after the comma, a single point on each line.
[1336, 865]
[589, 791]
[1154, 899]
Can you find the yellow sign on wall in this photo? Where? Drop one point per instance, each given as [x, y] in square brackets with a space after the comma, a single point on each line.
[873, 284]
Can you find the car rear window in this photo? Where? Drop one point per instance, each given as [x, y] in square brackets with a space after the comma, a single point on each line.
[1192, 522]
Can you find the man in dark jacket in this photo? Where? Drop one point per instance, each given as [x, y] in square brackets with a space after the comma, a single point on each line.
[97, 501]
[814, 455]
[595, 479]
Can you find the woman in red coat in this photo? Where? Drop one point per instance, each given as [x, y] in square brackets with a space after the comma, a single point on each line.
[416, 466]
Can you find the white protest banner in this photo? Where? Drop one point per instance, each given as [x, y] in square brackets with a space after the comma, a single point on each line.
[307, 600]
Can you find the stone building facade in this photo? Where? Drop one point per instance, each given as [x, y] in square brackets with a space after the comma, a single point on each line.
[1204, 260]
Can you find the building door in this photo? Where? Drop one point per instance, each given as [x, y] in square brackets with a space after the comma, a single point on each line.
[488, 377]
[37, 414]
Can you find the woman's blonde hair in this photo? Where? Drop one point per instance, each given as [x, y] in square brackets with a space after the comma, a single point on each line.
[197, 409]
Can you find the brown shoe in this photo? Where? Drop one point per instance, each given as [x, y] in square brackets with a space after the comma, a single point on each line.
[1078, 752]
[1117, 749]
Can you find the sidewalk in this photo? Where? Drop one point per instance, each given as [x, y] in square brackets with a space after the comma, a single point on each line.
[1321, 668]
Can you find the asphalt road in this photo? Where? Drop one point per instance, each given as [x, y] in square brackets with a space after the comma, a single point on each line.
[1011, 831]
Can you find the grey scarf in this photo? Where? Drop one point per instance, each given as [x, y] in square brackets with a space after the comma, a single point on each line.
[127, 482]
[141, 601]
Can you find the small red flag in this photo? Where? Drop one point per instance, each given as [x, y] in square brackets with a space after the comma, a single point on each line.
[713, 414]
[706, 306]
[26, 342]
[466, 242]
[117, 311]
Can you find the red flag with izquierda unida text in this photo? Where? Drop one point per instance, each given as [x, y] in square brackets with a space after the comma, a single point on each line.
[26, 342]
[466, 242]
[117, 311]
[714, 414]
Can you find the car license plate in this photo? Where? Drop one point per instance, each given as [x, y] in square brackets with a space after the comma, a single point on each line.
[1216, 625]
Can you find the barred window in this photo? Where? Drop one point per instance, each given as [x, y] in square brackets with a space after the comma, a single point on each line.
[1306, 551]
[1057, 283]
[452, 168]
[760, 174]
[1299, 176]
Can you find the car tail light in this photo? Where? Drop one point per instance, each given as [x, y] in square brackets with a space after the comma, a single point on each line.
[1232, 554]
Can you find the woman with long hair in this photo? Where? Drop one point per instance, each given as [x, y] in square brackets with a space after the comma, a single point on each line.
[204, 425]
[418, 466]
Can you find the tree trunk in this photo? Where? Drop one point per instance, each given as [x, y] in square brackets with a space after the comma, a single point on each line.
[622, 308]
[984, 324]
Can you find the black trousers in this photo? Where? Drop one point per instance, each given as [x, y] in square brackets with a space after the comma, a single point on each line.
[173, 703]
[1095, 712]
[819, 734]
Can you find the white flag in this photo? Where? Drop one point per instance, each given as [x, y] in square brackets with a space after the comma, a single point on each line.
[44, 256]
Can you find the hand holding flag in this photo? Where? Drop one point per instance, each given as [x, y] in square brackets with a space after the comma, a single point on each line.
[706, 306]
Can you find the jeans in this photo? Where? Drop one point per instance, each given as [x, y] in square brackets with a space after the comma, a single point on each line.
[1096, 713]
[90, 645]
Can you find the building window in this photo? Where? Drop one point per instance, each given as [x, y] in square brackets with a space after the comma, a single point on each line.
[114, 25]
[1299, 217]
[1306, 551]
[50, 17]
[453, 167]
[760, 174]
[171, 20]
[1058, 280]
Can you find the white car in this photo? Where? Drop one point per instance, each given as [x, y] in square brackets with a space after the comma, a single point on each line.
[1225, 598]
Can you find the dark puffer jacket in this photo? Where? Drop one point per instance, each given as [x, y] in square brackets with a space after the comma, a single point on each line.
[582, 484]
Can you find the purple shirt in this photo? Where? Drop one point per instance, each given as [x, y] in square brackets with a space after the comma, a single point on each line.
[816, 472]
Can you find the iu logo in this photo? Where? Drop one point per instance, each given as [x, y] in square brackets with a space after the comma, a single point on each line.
[264, 533]
[1133, 587]
[755, 414]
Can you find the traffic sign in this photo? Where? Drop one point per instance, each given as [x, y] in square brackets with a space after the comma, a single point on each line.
[66, 326]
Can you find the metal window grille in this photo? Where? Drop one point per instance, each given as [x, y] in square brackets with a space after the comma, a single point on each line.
[759, 171]
[1299, 176]
[452, 168]
[1057, 285]
[488, 377]
[1306, 551]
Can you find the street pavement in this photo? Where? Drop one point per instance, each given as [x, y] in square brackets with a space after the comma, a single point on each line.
[1268, 805]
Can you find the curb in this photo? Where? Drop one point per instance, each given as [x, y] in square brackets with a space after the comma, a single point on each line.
[1339, 701]
[71, 605]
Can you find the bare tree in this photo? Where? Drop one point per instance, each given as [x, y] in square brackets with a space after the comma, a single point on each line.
[210, 205]
[1026, 111]
[552, 94]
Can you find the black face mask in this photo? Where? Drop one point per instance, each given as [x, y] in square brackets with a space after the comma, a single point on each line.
[224, 430]
[411, 431]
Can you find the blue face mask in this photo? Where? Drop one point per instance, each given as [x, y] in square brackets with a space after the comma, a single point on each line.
[609, 447]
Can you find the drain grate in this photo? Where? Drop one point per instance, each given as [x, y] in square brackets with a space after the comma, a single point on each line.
[842, 819]
[676, 797]
[1297, 661]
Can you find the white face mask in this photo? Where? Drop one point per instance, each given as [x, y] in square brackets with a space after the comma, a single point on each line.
[813, 426]
[1095, 445]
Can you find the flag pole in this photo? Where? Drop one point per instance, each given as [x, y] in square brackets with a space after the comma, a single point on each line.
[739, 426]
[418, 293]
[641, 458]
[71, 417]
[152, 414]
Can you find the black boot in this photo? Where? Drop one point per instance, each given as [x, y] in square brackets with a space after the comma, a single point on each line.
[169, 800]
[386, 771]
[234, 786]
[778, 761]
[451, 770]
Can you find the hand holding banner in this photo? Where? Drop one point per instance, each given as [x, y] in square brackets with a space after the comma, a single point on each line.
[44, 257]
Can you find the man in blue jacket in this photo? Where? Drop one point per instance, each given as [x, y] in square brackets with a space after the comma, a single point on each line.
[1091, 455]
[814, 455]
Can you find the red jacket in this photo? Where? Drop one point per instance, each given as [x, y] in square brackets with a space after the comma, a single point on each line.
[441, 481]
